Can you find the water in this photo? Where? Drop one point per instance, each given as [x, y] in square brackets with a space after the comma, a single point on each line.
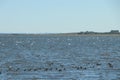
[59, 57]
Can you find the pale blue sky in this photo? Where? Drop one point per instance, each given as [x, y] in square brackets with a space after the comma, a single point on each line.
[55, 16]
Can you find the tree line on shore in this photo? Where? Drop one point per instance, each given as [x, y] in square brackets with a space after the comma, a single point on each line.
[92, 32]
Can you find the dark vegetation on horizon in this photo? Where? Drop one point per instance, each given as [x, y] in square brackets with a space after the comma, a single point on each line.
[91, 32]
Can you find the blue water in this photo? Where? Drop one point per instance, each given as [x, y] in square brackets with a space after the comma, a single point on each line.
[59, 57]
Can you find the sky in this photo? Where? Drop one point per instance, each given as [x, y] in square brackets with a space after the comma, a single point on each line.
[59, 16]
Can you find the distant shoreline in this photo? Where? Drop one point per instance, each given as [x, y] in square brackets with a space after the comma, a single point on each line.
[60, 34]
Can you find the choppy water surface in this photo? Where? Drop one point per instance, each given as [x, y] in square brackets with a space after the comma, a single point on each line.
[59, 58]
